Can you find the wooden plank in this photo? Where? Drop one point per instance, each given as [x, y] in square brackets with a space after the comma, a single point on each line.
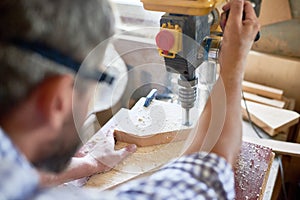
[279, 147]
[144, 160]
[262, 90]
[263, 100]
[252, 171]
[275, 71]
[271, 120]
[148, 159]
[251, 174]
[150, 140]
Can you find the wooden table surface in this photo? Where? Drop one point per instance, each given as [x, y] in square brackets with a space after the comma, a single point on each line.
[251, 172]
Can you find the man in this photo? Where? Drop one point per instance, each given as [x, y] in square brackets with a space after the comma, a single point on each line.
[37, 83]
[36, 121]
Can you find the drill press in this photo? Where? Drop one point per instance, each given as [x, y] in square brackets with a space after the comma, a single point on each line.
[190, 35]
[183, 28]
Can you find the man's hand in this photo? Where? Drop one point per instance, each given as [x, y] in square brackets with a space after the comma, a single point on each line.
[102, 157]
[239, 35]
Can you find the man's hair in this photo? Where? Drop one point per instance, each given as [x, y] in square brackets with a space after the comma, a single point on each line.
[71, 27]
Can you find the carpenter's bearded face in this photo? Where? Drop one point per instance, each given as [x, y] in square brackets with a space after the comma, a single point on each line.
[67, 142]
[64, 147]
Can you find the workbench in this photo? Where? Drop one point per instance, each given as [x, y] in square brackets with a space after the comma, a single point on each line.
[148, 159]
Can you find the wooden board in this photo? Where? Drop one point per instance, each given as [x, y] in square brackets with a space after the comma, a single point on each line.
[279, 147]
[154, 139]
[271, 120]
[159, 123]
[265, 101]
[262, 90]
[252, 171]
[275, 71]
[144, 160]
[147, 159]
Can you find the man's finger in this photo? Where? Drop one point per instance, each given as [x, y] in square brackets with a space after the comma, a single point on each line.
[223, 21]
[251, 19]
[249, 11]
[121, 154]
[226, 7]
[126, 151]
[236, 11]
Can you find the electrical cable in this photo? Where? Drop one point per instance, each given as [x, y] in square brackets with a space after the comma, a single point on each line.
[249, 117]
[282, 179]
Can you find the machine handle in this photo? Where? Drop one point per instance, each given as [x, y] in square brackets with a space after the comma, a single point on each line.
[257, 37]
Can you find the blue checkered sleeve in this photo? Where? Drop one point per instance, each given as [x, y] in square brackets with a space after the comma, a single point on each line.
[197, 176]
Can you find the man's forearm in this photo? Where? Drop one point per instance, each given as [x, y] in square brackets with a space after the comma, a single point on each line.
[229, 142]
[219, 127]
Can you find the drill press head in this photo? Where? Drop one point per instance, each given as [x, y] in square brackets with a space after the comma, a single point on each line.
[183, 29]
[179, 43]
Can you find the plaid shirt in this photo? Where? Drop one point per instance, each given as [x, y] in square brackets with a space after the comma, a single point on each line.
[197, 176]
[18, 180]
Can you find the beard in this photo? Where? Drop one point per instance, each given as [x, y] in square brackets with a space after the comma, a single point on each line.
[64, 148]
[56, 162]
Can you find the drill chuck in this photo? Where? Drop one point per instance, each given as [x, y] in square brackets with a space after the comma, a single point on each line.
[187, 97]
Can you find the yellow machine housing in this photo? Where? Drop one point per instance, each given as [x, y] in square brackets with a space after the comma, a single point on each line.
[185, 7]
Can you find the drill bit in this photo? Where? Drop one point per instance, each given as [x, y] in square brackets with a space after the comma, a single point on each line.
[187, 117]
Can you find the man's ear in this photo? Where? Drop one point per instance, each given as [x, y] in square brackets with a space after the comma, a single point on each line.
[54, 99]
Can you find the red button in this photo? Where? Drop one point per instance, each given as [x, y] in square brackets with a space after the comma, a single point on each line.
[164, 40]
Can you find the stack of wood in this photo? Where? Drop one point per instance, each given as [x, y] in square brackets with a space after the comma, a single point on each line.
[269, 108]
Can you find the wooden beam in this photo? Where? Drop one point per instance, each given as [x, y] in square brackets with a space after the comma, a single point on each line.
[263, 100]
[262, 90]
[279, 147]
